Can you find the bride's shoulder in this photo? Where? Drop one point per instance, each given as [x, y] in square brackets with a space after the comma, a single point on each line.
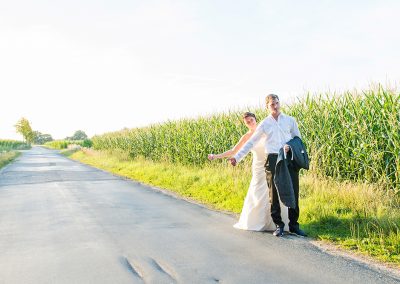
[245, 137]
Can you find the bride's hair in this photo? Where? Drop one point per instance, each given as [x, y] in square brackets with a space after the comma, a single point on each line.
[249, 114]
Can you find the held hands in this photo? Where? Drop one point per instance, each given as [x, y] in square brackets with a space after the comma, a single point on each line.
[213, 157]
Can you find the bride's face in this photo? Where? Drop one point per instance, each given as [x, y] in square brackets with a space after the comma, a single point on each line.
[250, 122]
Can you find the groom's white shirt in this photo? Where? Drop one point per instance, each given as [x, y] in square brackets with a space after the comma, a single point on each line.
[276, 132]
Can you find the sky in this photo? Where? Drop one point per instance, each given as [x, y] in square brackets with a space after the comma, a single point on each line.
[100, 66]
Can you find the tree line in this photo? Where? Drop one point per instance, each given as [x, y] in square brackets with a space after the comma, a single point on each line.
[31, 136]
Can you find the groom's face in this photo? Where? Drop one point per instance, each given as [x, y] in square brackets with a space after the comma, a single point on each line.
[274, 106]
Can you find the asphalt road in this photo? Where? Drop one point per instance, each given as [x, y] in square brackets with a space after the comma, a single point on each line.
[64, 222]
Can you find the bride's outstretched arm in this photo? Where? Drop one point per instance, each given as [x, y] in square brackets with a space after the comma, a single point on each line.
[232, 151]
[245, 149]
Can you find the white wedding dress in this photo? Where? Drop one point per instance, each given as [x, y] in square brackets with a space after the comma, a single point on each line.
[256, 211]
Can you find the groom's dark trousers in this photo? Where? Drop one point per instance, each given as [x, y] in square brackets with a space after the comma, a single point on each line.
[273, 193]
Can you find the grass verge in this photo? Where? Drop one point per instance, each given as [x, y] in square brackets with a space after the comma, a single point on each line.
[220, 187]
[359, 217]
[7, 157]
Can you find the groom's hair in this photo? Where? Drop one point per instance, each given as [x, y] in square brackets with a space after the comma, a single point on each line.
[249, 114]
[271, 97]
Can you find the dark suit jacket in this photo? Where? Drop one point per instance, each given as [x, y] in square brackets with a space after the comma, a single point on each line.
[299, 158]
[299, 153]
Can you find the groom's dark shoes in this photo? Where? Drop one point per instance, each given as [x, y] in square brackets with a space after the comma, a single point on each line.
[297, 231]
[278, 232]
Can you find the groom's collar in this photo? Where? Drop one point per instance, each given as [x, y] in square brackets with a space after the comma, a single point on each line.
[281, 115]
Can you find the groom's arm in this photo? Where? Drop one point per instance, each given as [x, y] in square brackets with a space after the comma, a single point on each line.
[294, 131]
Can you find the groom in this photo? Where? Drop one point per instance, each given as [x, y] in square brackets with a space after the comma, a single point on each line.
[278, 128]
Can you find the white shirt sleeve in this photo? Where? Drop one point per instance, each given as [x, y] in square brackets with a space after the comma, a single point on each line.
[257, 135]
[295, 129]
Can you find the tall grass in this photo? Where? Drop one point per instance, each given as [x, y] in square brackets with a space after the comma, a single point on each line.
[8, 150]
[7, 157]
[354, 136]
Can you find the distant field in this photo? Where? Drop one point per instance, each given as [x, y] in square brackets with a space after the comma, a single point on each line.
[8, 145]
[63, 144]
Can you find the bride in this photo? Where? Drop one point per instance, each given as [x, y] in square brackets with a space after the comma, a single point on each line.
[256, 211]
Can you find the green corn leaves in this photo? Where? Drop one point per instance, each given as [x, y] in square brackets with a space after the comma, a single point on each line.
[353, 136]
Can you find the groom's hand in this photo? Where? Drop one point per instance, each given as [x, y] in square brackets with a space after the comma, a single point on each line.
[233, 161]
[286, 147]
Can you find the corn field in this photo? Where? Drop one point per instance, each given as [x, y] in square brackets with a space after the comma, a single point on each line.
[352, 136]
[187, 141]
[8, 145]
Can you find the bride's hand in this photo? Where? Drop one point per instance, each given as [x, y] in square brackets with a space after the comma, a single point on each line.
[211, 157]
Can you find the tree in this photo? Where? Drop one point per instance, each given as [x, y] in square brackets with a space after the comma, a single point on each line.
[78, 135]
[41, 138]
[24, 128]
